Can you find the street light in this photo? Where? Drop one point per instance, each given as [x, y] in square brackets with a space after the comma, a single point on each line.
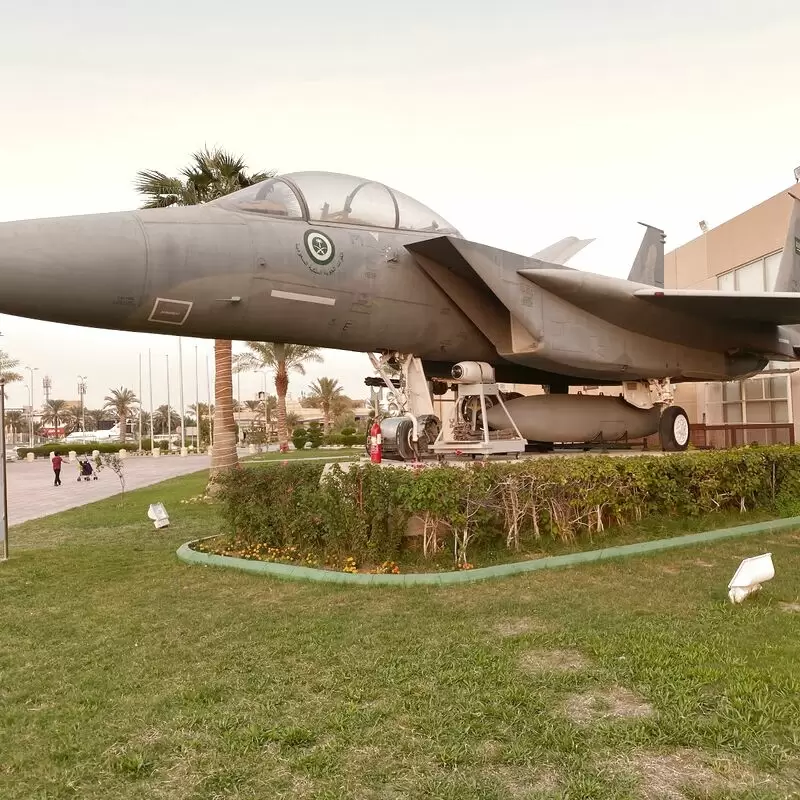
[30, 419]
[82, 393]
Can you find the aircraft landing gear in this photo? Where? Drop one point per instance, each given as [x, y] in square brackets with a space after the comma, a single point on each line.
[673, 426]
[673, 429]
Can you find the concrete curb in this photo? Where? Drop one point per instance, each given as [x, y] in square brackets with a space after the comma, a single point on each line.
[292, 572]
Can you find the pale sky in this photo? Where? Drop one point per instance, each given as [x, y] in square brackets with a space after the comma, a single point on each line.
[520, 122]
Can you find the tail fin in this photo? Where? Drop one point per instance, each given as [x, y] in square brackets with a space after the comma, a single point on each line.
[561, 252]
[788, 279]
[648, 266]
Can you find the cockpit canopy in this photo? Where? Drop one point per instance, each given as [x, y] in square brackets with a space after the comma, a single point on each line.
[331, 197]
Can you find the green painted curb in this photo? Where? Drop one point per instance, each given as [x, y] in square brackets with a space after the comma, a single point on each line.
[185, 553]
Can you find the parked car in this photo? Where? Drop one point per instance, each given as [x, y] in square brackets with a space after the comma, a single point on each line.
[11, 454]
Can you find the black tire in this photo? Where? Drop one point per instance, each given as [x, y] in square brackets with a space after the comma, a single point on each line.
[405, 447]
[673, 429]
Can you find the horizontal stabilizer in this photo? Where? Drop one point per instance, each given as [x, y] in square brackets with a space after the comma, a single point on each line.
[562, 251]
[648, 266]
[788, 279]
[773, 308]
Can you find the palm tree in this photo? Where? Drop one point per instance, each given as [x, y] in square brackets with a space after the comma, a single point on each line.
[94, 417]
[212, 174]
[324, 395]
[122, 403]
[282, 358]
[7, 366]
[160, 419]
[14, 420]
[56, 413]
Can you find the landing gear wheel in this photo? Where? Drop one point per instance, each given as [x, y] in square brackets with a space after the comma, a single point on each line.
[673, 429]
[405, 447]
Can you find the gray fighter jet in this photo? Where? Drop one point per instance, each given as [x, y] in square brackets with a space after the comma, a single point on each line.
[336, 261]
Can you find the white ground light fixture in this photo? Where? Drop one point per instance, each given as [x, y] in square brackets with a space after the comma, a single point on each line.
[747, 580]
[159, 515]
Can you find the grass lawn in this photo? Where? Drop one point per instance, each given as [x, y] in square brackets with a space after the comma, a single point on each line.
[126, 674]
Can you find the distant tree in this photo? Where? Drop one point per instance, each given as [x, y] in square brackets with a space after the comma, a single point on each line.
[122, 402]
[282, 358]
[324, 394]
[160, 419]
[56, 413]
[15, 420]
[94, 417]
[7, 368]
[210, 175]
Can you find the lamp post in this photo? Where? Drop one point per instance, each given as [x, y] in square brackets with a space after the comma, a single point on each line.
[30, 416]
[3, 493]
[82, 393]
[169, 413]
[196, 402]
[30, 419]
[180, 386]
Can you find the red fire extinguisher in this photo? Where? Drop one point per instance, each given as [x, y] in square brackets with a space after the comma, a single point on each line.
[375, 443]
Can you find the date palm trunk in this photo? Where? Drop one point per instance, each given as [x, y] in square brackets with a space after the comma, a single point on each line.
[281, 388]
[223, 453]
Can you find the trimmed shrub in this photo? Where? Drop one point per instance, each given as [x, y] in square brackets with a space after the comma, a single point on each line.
[314, 432]
[299, 438]
[364, 512]
[44, 450]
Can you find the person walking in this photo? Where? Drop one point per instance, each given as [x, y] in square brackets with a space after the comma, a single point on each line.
[57, 468]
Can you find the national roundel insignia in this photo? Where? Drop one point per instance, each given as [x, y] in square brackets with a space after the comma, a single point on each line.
[319, 247]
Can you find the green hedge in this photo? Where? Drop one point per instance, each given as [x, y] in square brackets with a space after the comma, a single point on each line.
[364, 512]
[44, 450]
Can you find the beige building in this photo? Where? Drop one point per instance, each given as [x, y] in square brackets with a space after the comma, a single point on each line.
[742, 254]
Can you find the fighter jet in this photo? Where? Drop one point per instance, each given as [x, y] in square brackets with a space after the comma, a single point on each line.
[341, 262]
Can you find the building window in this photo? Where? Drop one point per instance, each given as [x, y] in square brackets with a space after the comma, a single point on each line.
[757, 276]
[757, 400]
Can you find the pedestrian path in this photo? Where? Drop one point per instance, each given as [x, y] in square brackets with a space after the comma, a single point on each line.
[31, 493]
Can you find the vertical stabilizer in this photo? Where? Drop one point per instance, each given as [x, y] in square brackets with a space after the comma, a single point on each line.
[561, 252]
[788, 279]
[648, 266]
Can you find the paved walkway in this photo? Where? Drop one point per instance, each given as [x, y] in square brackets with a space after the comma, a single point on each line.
[31, 493]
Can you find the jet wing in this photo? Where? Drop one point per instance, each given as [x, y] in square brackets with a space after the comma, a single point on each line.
[775, 308]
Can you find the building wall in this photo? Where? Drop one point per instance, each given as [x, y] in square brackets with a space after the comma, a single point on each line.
[740, 254]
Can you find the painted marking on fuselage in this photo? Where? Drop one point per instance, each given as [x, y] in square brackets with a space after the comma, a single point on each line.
[304, 298]
[170, 312]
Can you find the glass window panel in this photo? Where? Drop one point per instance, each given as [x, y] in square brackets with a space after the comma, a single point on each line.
[780, 411]
[771, 264]
[779, 386]
[273, 197]
[758, 412]
[732, 412]
[751, 277]
[714, 392]
[726, 282]
[731, 391]
[372, 205]
[416, 217]
[754, 389]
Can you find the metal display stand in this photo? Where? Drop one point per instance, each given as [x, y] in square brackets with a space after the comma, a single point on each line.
[452, 439]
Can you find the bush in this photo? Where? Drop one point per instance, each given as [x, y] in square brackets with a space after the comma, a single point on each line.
[364, 512]
[345, 439]
[314, 432]
[44, 450]
[299, 438]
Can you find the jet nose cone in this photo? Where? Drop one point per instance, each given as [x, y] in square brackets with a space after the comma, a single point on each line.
[83, 270]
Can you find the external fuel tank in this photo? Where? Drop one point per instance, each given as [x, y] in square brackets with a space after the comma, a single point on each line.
[575, 418]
